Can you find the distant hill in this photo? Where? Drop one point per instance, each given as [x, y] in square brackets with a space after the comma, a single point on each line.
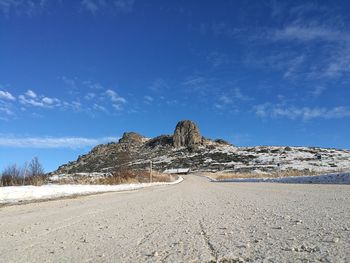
[187, 148]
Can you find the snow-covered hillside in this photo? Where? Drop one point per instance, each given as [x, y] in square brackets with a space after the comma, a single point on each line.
[202, 154]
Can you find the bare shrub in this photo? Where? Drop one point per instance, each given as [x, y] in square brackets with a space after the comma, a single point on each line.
[32, 174]
[11, 175]
[36, 174]
[134, 176]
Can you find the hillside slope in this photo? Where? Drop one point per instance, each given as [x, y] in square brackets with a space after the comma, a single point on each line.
[188, 149]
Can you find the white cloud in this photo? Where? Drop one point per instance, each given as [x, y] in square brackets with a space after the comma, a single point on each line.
[217, 59]
[22, 7]
[30, 98]
[90, 96]
[124, 5]
[326, 45]
[337, 63]
[50, 101]
[237, 93]
[71, 83]
[225, 99]
[93, 85]
[94, 6]
[317, 91]
[301, 10]
[197, 83]
[6, 95]
[50, 142]
[117, 101]
[159, 85]
[304, 31]
[99, 107]
[305, 113]
[31, 94]
[6, 111]
[230, 97]
[148, 99]
[293, 65]
[115, 97]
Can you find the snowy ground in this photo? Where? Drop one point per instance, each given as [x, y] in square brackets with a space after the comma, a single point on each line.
[336, 178]
[15, 194]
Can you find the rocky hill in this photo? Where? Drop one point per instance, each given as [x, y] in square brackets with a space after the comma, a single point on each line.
[187, 148]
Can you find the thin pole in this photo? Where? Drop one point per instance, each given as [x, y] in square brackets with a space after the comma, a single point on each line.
[150, 171]
[24, 173]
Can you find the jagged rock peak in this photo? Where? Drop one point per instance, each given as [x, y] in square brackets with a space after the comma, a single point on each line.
[132, 138]
[186, 134]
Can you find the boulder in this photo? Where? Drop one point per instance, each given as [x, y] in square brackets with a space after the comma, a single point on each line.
[186, 134]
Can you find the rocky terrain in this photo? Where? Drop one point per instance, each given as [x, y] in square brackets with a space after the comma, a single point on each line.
[187, 148]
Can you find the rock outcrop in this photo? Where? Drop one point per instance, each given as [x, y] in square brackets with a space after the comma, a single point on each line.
[186, 148]
[132, 138]
[186, 134]
[162, 140]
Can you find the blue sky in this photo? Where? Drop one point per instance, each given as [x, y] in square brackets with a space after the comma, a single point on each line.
[77, 73]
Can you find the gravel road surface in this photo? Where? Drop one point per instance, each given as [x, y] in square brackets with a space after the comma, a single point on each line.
[194, 221]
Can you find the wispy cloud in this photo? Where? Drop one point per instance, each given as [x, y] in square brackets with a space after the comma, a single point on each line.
[92, 5]
[93, 85]
[217, 59]
[328, 38]
[293, 65]
[97, 107]
[117, 101]
[53, 142]
[32, 99]
[71, 84]
[229, 98]
[6, 110]
[90, 96]
[197, 83]
[31, 94]
[306, 113]
[223, 101]
[6, 95]
[95, 6]
[148, 99]
[159, 85]
[22, 7]
[310, 32]
[317, 91]
[124, 5]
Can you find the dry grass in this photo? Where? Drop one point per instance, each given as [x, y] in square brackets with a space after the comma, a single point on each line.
[18, 180]
[274, 174]
[120, 177]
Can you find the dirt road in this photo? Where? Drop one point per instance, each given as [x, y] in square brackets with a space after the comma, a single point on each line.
[194, 221]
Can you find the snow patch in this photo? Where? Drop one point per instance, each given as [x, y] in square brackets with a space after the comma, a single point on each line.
[15, 194]
[336, 178]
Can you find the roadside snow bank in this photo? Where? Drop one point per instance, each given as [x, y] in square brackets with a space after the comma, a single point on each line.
[15, 194]
[336, 178]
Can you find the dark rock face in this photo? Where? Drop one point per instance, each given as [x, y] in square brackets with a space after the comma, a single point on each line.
[186, 134]
[131, 138]
[162, 140]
